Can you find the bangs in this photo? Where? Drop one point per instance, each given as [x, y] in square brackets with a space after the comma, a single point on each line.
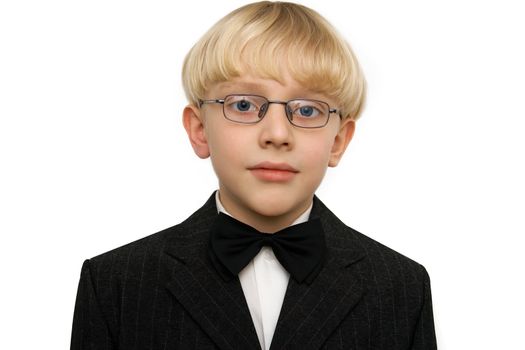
[258, 38]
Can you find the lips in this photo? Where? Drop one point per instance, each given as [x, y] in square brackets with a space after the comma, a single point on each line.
[273, 172]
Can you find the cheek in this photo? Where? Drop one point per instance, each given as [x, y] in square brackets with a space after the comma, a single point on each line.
[317, 152]
[217, 135]
[226, 144]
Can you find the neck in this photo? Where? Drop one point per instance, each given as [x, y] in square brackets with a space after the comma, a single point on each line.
[261, 221]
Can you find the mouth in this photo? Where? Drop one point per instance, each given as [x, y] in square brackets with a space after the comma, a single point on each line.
[273, 172]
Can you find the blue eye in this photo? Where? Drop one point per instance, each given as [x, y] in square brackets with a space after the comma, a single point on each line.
[243, 105]
[306, 111]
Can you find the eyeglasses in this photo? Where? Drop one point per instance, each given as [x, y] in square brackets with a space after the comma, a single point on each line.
[251, 109]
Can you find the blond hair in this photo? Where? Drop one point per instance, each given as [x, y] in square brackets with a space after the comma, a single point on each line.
[253, 36]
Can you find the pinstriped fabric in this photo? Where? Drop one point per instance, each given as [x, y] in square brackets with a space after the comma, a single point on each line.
[161, 292]
[211, 287]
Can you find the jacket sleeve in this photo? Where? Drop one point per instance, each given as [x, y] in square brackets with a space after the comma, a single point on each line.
[424, 334]
[90, 328]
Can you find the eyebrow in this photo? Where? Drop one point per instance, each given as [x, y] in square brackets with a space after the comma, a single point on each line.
[259, 89]
[241, 84]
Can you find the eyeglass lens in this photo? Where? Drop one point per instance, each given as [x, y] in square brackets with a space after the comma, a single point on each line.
[250, 109]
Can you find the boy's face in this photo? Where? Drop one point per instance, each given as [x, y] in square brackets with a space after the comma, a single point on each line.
[268, 171]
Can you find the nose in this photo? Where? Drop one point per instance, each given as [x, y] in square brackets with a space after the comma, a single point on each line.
[275, 130]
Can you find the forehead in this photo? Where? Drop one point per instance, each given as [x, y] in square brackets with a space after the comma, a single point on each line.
[284, 89]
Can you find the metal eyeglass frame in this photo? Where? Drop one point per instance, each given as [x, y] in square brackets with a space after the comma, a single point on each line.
[284, 103]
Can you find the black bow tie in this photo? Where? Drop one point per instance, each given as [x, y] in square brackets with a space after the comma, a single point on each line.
[299, 248]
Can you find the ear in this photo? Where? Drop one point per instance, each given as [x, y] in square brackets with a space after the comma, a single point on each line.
[341, 141]
[192, 120]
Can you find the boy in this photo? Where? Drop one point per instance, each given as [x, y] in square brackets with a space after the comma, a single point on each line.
[274, 94]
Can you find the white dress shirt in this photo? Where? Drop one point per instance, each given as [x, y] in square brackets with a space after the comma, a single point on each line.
[264, 281]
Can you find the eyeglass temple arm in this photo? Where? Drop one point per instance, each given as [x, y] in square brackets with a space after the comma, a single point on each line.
[201, 102]
[335, 110]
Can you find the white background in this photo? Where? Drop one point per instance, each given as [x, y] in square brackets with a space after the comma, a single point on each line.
[93, 154]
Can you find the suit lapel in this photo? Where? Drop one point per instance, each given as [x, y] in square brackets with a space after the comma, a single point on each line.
[218, 306]
[310, 313]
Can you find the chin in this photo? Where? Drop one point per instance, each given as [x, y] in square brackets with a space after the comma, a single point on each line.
[275, 205]
[271, 212]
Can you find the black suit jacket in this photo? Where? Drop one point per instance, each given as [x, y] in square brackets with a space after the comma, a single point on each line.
[161, 292]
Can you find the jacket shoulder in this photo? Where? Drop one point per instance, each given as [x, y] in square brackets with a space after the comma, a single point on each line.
[384, 254]
[147, 250]
[383, 260]
[131, 257]
[389, 271]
